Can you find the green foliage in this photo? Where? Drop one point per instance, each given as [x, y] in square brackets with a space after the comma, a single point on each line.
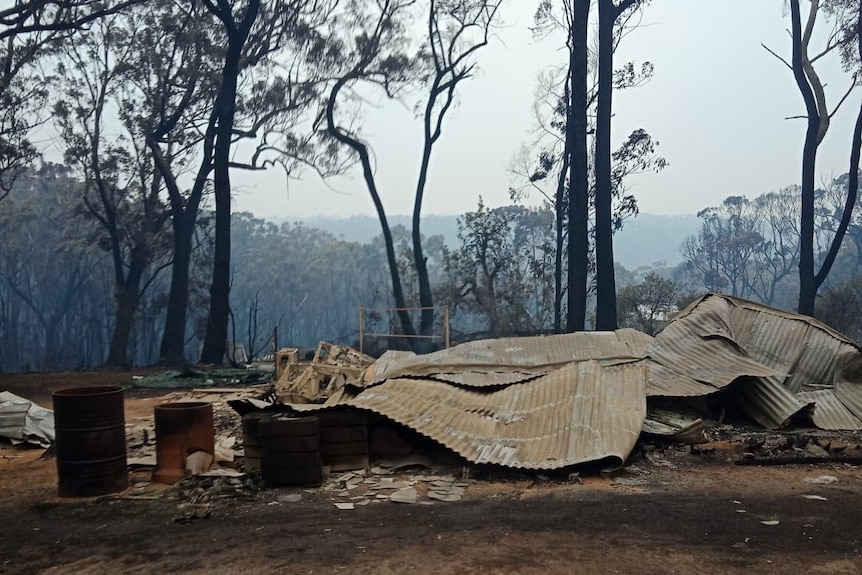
[840, 307]
[502, 271]
[646, 306]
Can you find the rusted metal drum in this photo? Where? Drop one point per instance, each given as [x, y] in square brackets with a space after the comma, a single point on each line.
[89, 424]
[181, 429]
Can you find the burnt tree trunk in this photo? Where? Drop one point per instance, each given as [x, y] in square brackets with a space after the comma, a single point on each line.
[852, 183]
[576, 134]
[126, 299]
[807, 287]
[219, 311]
[368, 175]
[426, 299]
[606, 292]
[172, 348]
[184, 214]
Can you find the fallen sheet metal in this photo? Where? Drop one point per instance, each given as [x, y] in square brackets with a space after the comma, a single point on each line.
[770, 404]
[483, 360]
[674, 426]
[582, 412]
[849, 393]
[829, 412]
[698, 345]
[22, 421]
[720, 339]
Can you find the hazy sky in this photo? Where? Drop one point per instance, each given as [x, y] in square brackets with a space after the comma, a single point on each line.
[717, 104]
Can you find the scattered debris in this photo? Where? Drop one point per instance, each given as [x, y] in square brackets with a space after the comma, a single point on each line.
[331, 368]
[770, 522]
[815, 497]
[192, 378]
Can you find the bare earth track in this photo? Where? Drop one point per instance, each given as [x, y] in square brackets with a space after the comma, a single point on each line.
[690, 514]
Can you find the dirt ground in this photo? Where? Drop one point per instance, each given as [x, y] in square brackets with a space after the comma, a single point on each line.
[677, 512]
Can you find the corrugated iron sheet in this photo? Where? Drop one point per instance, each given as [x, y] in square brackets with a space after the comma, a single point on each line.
[850, 394]
[829, 412]
[583, 412]
[719, 328]
[699, 344]
[719, 339]
[554, 401]
[769, 403]
[533, 355]
[665, 382]
[801, 347]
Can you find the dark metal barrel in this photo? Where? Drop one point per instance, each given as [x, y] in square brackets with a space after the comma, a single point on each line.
[89, 424]
[182, 428]
[251, 439]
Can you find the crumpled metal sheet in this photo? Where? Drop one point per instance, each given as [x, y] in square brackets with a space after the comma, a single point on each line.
[720, 339]
[528, 355]
[699, 345]
[770, 404]
[582, 412]
[22, 421]
[829, 412]
[849, 393]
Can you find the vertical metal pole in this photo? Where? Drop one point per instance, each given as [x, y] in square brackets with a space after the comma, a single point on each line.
[446, 325]
[361, 330]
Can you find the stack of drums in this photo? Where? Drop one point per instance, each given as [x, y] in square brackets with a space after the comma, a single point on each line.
[290, 450]
[344, 439]
[251, 439]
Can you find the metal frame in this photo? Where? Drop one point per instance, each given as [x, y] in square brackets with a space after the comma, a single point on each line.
[363, 333]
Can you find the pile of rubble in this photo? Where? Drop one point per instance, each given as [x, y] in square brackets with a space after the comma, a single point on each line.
[361, 487]
[330, 369]
[141, 432]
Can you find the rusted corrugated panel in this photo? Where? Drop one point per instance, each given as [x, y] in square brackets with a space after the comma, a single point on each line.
[579, 413]
[799, 346]
[665, 382]
[525, 354]
[829, 412]
[699, 346]
[850, 394]
[769, 403]
[386, 363]
[720, 338]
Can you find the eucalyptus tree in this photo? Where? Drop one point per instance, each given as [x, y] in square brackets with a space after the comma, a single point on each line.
[275, 52]
[104, 142]
[724, 248]
[382, 56]
[53, 302]
[30, 29]
[550, 157]
[613, 17]
[500, 272]
[168, 94]
[818, 116]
